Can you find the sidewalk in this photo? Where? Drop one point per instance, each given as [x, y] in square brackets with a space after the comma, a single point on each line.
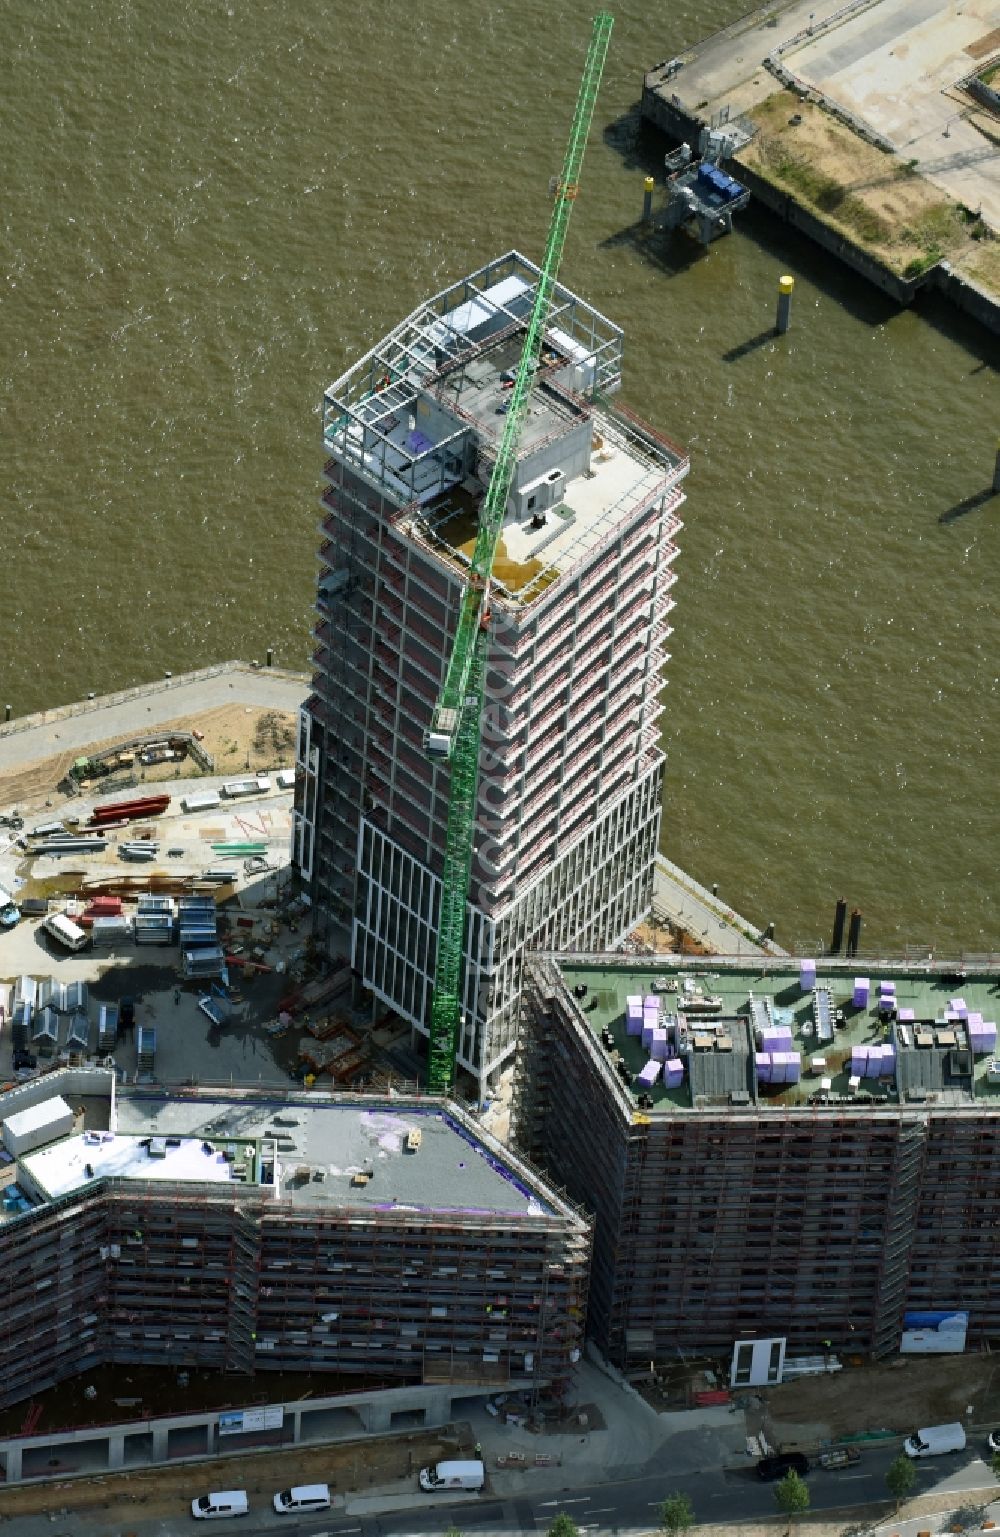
[136, 710]
[682, 899]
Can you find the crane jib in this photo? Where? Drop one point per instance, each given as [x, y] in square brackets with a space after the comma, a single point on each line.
[456, 725]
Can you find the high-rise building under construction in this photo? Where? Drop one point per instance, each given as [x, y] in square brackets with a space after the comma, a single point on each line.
[570, 769]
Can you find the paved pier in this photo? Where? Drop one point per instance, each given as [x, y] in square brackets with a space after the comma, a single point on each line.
[135, 711]
[890, 69]
[726, 69]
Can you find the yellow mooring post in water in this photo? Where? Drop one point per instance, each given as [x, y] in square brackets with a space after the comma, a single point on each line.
[784, 317]
[647, 199]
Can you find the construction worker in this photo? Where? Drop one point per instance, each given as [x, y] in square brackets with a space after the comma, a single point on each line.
[477, 1451]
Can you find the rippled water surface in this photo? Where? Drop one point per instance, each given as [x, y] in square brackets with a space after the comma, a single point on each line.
[210, 209]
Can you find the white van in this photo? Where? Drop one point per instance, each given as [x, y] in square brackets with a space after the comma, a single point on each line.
[452, 1475]
[302, 1497]
[933, 1440]
[225, 1502]
[65, 931]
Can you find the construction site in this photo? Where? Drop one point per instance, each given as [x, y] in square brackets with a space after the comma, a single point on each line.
[805, 1157]
[570, 768]
[256, 1231]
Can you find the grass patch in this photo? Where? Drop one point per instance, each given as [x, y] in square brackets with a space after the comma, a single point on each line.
[826, 194]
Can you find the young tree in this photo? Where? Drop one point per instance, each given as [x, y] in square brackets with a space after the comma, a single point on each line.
[995, 1464]
[676, 1515]
[563, 1526]
[791, 1494]
[900, 1476]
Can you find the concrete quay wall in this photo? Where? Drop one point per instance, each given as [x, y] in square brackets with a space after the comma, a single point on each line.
[665, 109]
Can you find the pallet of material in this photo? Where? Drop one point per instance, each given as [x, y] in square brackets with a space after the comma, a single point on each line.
[327, 1027]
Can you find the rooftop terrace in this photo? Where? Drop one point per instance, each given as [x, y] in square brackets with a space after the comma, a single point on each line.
[910, 1035]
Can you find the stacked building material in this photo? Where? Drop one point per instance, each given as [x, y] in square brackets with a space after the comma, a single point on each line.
[100, 907]
[633, 1014]
[73, 998]
[146, 1048]
[154, 921]
[139, 850]
[198, 923]
[777, 1064]
[982, 1034]
[78, 1034]
[649, 1075]
[862, 987]
[107, 1027]
[673, 1072]
[209, 961]
[45, 1032]
[129, 811]
[659, 1046]
[110, 933]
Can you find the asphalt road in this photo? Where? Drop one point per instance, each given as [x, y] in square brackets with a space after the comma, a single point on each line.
[618, 1508]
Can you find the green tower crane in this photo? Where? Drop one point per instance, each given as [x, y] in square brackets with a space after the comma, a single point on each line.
[456, 726]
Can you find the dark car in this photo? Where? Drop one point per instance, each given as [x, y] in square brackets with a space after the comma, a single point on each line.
[994, 1441]
[770, 1468]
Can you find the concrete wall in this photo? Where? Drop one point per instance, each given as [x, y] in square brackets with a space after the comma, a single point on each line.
[71, 1082]
[672, 118]
[790, 211]
[968, 296]
[144, 1443]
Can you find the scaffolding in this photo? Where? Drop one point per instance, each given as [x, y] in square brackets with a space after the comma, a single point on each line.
[246, 1276]
[718, 1221]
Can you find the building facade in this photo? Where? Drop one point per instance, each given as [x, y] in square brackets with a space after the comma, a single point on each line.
[828, 1209]
[570, 767]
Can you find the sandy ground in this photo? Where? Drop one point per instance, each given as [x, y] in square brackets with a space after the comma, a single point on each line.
[239, 737]
[875, 199]
[909, 1391]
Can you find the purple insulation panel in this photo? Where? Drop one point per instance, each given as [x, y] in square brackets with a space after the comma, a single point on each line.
[648, 1026]
[762, 1060]
[887, 987]
[888, 1061]
[860, 997]
[807, 976]
[650, 1074]
[633, 1017]
[873, 1067]
[859, 1061]
[975, 1017]
[651, 1004]
[793, 1067]
[658, 1045]
[906, 1016]
[959, 1005]
[779, 1067]
[673, 1072]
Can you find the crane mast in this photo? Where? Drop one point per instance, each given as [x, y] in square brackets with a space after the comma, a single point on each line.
[456, 726]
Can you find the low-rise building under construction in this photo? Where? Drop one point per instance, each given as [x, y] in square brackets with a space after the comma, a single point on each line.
[253, 1232]
[767, 1153]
